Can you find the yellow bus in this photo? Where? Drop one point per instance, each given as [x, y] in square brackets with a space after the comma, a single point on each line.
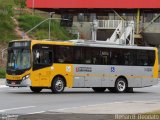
[80, 64]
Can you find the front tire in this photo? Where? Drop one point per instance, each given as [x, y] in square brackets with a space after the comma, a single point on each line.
[36, 89]
[58, 85]
[99, 89]
[121, 85]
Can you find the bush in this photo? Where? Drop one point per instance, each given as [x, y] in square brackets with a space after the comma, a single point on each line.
[2, 73]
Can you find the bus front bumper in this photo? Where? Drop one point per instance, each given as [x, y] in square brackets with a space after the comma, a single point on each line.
[18, 83]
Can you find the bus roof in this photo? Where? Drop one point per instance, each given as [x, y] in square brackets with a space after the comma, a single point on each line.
[86, 43]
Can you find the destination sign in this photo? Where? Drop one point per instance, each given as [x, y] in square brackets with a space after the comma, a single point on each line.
[20, 44]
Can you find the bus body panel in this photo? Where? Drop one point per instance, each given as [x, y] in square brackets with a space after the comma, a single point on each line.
[43, 77]
[105, 76]
[156, 66]
[12, 80]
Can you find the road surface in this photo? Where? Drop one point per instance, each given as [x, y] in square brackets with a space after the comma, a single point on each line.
[23, 101]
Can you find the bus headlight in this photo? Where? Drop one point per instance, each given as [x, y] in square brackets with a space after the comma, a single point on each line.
[25, 77]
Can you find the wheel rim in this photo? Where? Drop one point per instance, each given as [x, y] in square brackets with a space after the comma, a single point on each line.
[59, 85]
[121, 86]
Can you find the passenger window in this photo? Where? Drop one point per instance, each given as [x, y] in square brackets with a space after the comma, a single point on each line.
[104, 57]
[91, 55]
[43, 57]
[142, 58]
[88, 56]
[77, 55]
[129, 57]
[151, 58]
[64, 54]
[117, 57]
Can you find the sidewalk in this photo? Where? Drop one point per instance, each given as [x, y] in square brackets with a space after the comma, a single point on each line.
[130, 107]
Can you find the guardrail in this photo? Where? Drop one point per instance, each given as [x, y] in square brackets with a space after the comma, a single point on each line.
[108, 24]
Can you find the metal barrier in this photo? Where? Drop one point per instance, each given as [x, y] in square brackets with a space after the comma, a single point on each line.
[108, 24]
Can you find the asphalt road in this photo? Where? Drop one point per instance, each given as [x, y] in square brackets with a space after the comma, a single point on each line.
[23, 101]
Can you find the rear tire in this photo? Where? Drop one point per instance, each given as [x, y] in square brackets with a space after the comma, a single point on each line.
[58, 85]
[36, 89]
[99, 89]
[121, 85]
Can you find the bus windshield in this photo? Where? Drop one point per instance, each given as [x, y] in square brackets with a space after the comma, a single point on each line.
[18, 59]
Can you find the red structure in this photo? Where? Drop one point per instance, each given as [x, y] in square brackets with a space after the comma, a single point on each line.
[90, 4]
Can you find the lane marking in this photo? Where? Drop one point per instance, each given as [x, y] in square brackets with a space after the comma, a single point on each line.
[4, 110]
[36, 112]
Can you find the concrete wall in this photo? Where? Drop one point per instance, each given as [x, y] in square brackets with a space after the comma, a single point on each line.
[84, 28]
[151, 34]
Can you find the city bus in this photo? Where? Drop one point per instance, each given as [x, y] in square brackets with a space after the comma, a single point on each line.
[54, 65]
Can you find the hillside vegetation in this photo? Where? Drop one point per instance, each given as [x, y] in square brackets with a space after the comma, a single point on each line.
[28, 21]
[10, 9]
[7, 26]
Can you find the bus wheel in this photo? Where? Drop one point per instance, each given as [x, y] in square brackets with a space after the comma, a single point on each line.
[58, 85]
[121, 85]
[36, 89]
[99, 89]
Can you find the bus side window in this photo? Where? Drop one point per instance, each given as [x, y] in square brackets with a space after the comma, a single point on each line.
[42, 57]
[142, 58]
[151, 58]
[64, 54]
[87, 55]
[47, 57]
[114, 57]
[36, 57]
[77, 55]
[104, 56]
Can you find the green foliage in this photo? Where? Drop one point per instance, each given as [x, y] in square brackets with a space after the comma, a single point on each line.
[27, 21]
[6, 24]
[16, 2]
[57, 32]
[2, 73]
[21, 3]
[6, 28]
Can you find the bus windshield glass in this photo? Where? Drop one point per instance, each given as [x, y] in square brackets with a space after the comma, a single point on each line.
[18, 59]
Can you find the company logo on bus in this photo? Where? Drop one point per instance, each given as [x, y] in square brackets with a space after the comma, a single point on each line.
[83, 69]
[148, 69]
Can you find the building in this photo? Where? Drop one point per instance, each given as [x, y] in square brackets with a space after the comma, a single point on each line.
[145, 14]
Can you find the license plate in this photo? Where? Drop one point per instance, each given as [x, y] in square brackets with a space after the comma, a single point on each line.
[13, 83]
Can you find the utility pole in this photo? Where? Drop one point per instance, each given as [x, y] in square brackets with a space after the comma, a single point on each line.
[33, 6]
[49, 29]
